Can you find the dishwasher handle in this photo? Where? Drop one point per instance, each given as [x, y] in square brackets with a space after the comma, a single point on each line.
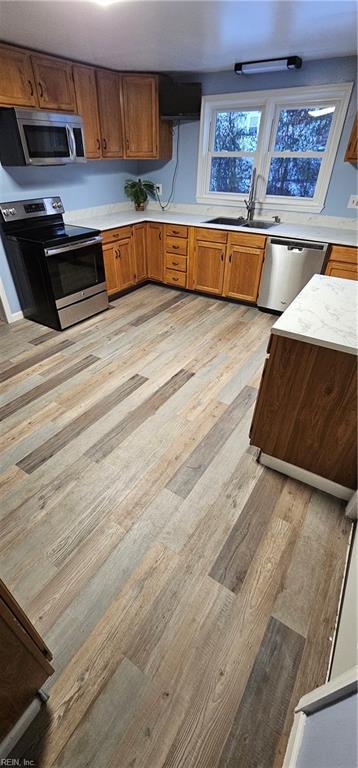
[297, 245]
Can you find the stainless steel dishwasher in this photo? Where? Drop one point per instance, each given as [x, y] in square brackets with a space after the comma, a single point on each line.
[288, 266]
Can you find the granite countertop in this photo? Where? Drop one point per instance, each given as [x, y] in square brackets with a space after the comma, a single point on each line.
[323, 313]
[102, 221]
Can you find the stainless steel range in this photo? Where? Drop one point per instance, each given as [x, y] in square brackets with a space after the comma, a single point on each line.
[57, 269]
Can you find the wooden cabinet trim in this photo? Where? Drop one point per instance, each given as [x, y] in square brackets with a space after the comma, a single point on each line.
[175, 262]
[247, 239]
[206, 235]
[344, 253]
[176, 245]
[351, 155]
[175, 278]
[176, 230]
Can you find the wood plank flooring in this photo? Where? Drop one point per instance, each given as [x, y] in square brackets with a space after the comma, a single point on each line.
[188, 594]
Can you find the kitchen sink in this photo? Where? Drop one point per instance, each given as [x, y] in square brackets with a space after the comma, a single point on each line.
[241, 222]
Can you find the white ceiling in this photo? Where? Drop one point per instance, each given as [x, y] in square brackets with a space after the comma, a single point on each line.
[181, 35]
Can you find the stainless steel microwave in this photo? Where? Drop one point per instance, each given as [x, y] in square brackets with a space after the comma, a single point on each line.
[40, 138]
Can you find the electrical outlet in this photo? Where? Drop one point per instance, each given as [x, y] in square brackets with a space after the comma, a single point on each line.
[353, 201]
[159, 188]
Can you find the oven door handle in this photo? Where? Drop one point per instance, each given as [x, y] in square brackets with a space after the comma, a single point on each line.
[73, 246]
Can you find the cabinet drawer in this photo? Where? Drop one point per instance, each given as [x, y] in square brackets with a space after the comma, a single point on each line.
[176, 245]
[176, 230]
[175, 278]
[343, 253]
[175, 262]
[109, 235]
[211, 235]
[252, 241]
[342, 269]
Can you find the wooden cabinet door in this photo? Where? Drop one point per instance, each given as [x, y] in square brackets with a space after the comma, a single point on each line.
[54, 83]
[109, 85]
[125, 263]
[141, 115]
[87, 106]
[17, 85]
[155, 254]
[208, 267]
[242, 272]
[139, 252]
[351, 155]
[110, 267]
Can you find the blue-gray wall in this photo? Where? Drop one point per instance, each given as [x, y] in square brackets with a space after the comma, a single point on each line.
[98, 182]
[344, 177]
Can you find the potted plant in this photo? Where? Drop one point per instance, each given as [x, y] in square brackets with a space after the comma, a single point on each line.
[139, 191]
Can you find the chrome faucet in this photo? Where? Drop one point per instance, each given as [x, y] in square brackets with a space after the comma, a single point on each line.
[251, 202]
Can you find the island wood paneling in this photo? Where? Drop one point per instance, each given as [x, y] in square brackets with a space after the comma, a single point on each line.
[306, 411]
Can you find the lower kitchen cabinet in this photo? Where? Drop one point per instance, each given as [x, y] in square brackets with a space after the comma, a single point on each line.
[140, 252]
[119, 259]
[208, 261]
[24, 661]
[155, 252]
[125, 263]
[343, 262]
[243, 270]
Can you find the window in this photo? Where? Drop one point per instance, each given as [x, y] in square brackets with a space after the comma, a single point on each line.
[291, 137]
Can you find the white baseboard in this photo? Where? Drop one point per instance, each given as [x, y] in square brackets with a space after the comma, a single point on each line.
[297, 473]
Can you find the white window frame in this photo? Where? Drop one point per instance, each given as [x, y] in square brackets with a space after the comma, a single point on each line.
[270, 103]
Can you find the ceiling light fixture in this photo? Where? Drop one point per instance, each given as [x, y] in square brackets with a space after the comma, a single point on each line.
[319, 112]
[104, 3]
[267, 65]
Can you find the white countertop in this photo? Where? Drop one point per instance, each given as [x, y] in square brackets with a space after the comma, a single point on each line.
[102, 221]
[323, 313]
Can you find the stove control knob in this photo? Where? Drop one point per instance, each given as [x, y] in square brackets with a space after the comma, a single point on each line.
[5, 212]
[54, 204]
[12, 211]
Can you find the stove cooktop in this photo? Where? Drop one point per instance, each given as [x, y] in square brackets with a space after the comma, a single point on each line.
[55, 235]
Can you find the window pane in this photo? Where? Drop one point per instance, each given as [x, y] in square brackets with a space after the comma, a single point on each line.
[303, 130]
[231, 174]
[236, 131]
[295, 177]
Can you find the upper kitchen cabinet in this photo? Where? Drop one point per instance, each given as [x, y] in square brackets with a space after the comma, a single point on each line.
[141, 115]
[351, 155]
[17, 86]
[87, 106]
[109, 85]
[146, 136]
[54, 83]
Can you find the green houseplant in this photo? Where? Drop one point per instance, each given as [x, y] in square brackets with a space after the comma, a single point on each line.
[139, 191]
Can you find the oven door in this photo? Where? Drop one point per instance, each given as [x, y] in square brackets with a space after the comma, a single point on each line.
[50, 139]
[76, 270]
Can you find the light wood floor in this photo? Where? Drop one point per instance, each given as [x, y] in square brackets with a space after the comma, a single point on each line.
[188, 594]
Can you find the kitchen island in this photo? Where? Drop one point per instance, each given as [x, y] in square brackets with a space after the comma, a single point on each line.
[305, 420]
